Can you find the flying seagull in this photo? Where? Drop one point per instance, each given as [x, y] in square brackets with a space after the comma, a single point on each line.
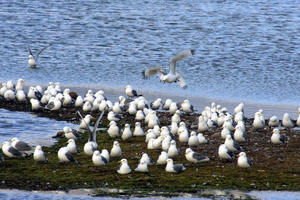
[173, 76]
[32, 60]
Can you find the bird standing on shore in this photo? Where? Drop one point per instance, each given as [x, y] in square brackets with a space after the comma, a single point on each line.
[195, 157]
[276, 138]
[243, 161]
[39, 154]
[64, 155]
[124, 167]
[177, 168]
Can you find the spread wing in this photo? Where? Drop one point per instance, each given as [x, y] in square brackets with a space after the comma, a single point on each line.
[36, 57]
[29, 50]
[179, 57]
[152, 71]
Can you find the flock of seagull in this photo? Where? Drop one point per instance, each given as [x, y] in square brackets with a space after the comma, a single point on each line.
[157, 138]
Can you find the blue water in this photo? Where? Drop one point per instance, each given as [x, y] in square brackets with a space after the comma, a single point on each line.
[245, 50]
[30, 128]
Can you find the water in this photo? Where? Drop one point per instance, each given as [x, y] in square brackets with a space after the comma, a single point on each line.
[30, 128]
[246, 51]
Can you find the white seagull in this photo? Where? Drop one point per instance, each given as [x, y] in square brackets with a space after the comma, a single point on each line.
[173, 76]
[32, 60]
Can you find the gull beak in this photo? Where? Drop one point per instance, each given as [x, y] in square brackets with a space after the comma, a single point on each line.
[119, 161]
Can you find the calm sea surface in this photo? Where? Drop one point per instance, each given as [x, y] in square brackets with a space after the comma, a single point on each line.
[246, 51]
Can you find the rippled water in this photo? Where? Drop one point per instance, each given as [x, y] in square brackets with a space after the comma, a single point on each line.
[30, 128]
[245, 50]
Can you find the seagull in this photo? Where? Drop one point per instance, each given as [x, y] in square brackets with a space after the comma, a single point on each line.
[84, 124]
[3, 89]
[124, 167]
[243, 160]
[98, 159]
[173, 76]
[54, 105]
[111, 116]
[195, 157]
[105, 154]
[79, 101]
[32, 61]
[116, 151]
[33, 93]
[239, 135]
[9, 95]
[21, 146]
[225, 153]
[239, 108]
[72, 146]
[187, 107]
[19, 85]
[150, 135]
[176, 117]
[130, 92]
[231, 144]
[71, 133]
[193, 140]
[274, 121]
[10, 151]
[87, 106]
[64, 155]
[127, 134]
[157, 143]
[150, 144]
[113, 130]
[276, 138]
[139, 115]
[146, 158]
[166, 105]
[35, 104]
[184, 136]
[10, 85]
[162, 158]
[166, 143]
[138, 131]
[201, 138]
[91, 145]
[142, 166]
[177, 168]
[39, 154]
[155, 105]
[225, 131]
[174, 128]
[286, 121]
[173, 150]
[21, 96]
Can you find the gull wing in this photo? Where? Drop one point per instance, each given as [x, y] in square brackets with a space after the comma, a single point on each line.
[36, 57]
[29, 50]
[182, 83]
[88, 128]
[96, 125]
[179, 57]
[152, 71]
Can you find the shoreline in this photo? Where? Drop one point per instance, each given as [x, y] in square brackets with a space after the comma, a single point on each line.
[269, 161]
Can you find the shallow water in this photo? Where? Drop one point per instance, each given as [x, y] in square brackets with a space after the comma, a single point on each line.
[30, 128]
[79, 194]
[245, 51]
